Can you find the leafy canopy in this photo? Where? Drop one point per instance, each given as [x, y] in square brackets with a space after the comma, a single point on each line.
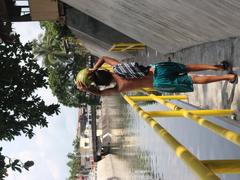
[63, 57]
[21, 109]
[20, 75]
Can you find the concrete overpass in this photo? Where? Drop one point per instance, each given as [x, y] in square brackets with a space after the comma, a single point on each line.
[166, 25]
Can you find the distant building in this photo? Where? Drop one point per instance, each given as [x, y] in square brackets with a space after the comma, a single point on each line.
[86, 153]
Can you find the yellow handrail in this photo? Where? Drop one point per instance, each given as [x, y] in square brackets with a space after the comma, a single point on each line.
[121, 47]
[221, 131]
[192, 162]
[206, 169]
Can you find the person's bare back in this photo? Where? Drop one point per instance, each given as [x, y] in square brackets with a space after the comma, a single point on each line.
[124, 85]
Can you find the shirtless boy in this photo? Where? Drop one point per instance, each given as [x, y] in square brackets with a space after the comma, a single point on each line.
[164, 77]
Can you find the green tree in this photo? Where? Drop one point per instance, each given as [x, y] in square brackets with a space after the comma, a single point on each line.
[50, 53]
[20, 76]
[20, 108]
[76, 143]
[16, 164]
[63, 65]
[5, 31]
[50, 46]
[61, 82]
[74, 162]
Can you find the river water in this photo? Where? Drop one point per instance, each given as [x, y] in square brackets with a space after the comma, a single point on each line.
[149, 157]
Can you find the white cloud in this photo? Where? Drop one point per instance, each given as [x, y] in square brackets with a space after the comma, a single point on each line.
[54, 169]
[26, 155]
[71, 127]
[27, 30]
[42, 142]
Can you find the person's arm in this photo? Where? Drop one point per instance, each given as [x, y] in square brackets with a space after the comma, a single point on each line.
[104, 59]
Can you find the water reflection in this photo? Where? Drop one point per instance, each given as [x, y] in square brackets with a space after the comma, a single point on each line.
[150, 158]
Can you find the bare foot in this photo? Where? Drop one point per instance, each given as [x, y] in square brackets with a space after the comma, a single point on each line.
[233, 78]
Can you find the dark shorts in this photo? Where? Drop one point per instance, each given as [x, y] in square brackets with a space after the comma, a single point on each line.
[171, 77]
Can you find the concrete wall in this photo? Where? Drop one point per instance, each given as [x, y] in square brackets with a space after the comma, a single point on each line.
[94, 28]
[167, 25]
[111, 120]
[97, 37]
[112, 167]
[97, 47]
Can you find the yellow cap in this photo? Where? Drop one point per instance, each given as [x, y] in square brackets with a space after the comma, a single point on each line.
[83, 77]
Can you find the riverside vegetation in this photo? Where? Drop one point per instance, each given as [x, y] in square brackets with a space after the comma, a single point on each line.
[21, 75]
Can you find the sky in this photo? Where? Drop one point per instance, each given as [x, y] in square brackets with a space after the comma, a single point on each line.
[50, 146]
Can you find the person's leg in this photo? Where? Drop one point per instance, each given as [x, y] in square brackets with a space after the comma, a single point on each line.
[208, 79]
[202, 67]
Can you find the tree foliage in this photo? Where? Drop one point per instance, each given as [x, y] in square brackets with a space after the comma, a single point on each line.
[6, 31]
[74, 163]
[15, 165]
[63, 64]
[21, 109]
[20, 75]
[76, 168]
[49, 46]
[61, 82]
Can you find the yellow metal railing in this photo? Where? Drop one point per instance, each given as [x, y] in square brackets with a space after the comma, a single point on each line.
[121, 47]
[206, 169]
